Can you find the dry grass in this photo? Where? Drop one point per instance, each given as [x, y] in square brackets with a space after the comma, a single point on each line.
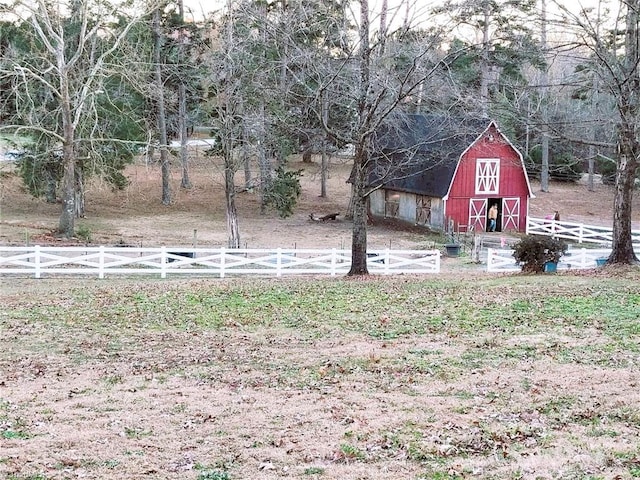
[408, 378]
[454, 376]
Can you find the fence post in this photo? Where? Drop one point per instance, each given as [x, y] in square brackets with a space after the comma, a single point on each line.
[489, 259]
[583, 258]
[581, 233]
[163, 262]
[101, 262]
[387, 260]
[222, 255]
[37, 260]
[334, 261]
[278, 262]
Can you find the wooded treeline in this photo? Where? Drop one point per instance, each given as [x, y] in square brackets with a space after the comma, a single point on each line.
[86, 85]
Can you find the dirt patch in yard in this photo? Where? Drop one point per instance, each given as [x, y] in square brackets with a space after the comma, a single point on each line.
[136, 216]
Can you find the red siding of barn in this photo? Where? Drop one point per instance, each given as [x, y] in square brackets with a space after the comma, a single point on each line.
[512, 179]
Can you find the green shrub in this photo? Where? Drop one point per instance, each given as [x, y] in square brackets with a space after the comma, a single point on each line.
[84, 233]
[533, 251]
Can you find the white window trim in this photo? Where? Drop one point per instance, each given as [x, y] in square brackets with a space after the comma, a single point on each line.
[487, 184]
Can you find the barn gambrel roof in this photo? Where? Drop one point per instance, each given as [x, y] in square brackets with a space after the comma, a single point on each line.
[420, 153]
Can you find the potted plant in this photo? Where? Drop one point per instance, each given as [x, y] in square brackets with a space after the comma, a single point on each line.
[537, 254]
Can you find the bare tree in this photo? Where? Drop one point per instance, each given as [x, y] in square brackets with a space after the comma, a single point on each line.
[386, 76]
[225, 107]
[544, 169]
[617, 65]
[183, 41]
[69, 72]
[161, 111]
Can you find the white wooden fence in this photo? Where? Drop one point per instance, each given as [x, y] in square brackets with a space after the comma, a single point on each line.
[577, 232]
[101, 261]
[501, 260]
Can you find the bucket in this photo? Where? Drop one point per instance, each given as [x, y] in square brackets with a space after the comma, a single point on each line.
[601, 261]
[453, 249]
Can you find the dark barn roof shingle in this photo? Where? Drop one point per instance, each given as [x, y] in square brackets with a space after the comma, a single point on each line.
[419, 153]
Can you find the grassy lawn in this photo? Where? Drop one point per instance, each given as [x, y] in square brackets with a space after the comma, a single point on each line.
[441, 377]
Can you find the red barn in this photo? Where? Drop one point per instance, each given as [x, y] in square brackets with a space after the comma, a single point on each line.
[439, 171]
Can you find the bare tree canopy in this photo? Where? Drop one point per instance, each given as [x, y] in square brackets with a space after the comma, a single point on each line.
[63, 69]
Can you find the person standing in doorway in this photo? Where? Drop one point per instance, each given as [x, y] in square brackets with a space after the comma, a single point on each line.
[493, 217]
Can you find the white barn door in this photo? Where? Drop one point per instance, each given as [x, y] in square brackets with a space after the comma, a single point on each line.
[478, 214]
[510, 214]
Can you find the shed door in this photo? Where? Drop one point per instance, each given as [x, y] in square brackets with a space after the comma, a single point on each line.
[511, 214]
[477, 214]
[423, 210]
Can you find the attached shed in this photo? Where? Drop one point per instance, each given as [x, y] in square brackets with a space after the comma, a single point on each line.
[438, 171]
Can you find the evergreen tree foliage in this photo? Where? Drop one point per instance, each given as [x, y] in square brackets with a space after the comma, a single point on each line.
[284, 191]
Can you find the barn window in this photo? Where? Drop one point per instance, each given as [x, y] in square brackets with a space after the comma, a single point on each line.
[487, 176]
[391, 204]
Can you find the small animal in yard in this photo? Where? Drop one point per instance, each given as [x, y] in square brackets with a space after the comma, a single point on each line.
[324, 218]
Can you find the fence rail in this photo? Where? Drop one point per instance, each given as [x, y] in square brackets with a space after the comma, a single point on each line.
[101, 261]
[577, 232]
[501, 260]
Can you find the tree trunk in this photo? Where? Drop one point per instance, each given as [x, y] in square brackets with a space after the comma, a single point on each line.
[324, 169]
[182, 110]
[349, 214]
[324, 165]
[79, 192]
[484, 62]
[595, 102]
[233, 229]
[628, 106]
[544, 168]
[591, 167]
[66, 224]
[246, 162]
[161, 112]
[359, 225]
[622, 245]
[246, 158]
[182, 122]
[263, 161]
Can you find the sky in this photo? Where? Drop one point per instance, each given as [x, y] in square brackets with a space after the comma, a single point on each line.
[203, 7]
